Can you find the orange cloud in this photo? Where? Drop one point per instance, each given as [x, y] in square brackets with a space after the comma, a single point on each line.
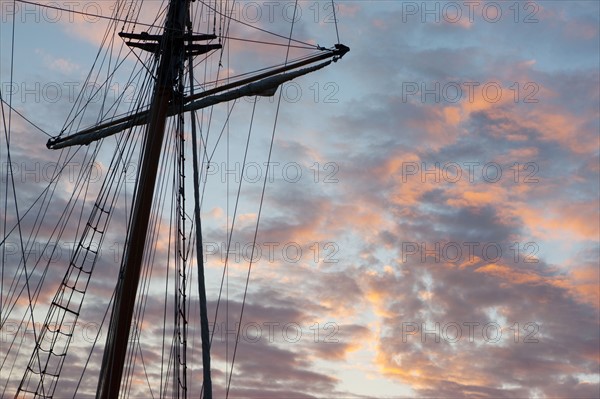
[561, 219]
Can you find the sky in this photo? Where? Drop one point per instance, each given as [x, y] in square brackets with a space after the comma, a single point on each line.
[430, 225]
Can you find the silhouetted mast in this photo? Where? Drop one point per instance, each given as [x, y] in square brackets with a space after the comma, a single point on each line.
[171, 50]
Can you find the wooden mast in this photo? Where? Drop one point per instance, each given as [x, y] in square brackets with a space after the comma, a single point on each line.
[172, 55]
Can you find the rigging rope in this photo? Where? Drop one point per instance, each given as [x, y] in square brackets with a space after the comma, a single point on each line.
[337, 33]
[23, 116]
[259, 214]
[12, 181]
[260, 29]
[83, 13]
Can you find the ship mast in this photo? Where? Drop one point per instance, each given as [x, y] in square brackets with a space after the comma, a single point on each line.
[172, 56]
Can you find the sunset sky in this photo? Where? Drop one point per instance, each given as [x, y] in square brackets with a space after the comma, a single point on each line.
[431, 222]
